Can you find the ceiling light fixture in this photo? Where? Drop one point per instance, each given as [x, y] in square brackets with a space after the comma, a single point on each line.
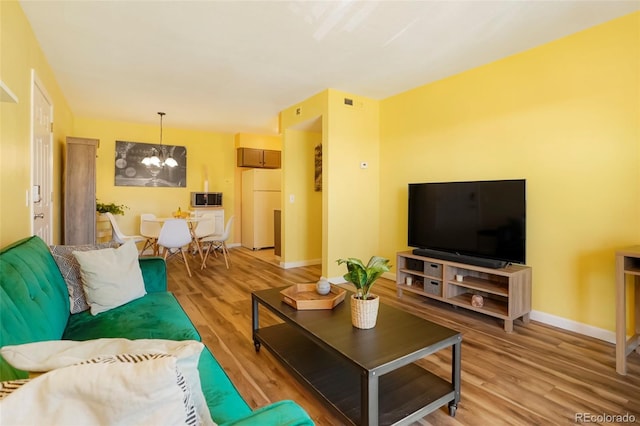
[158, 158]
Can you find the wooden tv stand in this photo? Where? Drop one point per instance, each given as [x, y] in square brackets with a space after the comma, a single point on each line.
[506, 292]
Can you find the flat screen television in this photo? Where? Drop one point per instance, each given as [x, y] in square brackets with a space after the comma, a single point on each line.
[470, 220]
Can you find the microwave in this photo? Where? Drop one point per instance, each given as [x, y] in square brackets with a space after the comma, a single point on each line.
[206, 199]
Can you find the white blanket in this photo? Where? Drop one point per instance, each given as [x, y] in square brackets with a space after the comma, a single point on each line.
[118, 393]
[85, 385]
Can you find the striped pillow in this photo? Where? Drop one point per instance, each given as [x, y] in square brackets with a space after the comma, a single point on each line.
[8, 387]
[70, 270]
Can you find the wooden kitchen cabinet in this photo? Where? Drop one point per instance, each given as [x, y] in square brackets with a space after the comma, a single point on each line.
[258, 158]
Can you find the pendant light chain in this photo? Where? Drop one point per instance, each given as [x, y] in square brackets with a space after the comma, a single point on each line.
[157, 161]
[161, 114]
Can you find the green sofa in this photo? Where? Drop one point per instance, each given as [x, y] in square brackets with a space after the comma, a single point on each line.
[34, 306]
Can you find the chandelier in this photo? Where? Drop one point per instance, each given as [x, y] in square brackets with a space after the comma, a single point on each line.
[158, 158]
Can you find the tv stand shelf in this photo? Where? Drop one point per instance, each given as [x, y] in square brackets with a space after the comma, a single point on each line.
[506, 292]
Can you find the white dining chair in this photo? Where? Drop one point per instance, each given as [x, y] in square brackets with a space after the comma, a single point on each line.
[218, 242]
[118, 236]
[150, 230]
[205, 227]
[173, 238]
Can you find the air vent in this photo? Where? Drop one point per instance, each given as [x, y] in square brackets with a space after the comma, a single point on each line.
[353, 103]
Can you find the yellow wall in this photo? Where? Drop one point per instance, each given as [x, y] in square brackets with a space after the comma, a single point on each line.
[302, 238]
[353, 194]
[208, 154]
[350, 195]
[251, 140]
[20, 54]
[297, 246]
[566, 117]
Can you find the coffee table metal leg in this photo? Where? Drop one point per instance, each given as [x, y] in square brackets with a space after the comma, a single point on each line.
[369, 402]
[254, 322]
[456, 357]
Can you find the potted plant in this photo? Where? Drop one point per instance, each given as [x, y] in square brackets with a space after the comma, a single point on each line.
[364, 305]
[103, 225]
[112, 208]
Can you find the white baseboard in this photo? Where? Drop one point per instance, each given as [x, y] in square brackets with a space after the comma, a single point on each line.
[287, 265]
[576, 327]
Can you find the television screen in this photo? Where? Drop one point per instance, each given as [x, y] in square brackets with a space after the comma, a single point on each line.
[484, 219]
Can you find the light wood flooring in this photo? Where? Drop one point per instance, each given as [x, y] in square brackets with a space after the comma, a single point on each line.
[537, 375]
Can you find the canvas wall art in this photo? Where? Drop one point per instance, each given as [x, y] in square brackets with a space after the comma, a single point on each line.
[130, 170]
[317, 185]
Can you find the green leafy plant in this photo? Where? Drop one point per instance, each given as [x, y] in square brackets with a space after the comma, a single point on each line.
[363, 277]
[112, 208]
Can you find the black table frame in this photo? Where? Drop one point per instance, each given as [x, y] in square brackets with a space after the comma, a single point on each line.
[328, 368]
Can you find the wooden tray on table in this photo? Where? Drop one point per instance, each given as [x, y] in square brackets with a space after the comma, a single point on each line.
[305, 297]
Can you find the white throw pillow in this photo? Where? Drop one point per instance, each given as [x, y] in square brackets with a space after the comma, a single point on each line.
[111, 277]
[53, 354]
[70, 270]
[106, 391]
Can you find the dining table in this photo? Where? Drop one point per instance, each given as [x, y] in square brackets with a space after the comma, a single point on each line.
[191, 221]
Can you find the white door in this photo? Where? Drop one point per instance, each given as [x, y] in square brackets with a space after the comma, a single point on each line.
[42, 161]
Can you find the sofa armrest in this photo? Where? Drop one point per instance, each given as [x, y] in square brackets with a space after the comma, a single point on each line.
[154, 273]
[281, 413]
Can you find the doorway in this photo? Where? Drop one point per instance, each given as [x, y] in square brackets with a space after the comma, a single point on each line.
[304, 192]
[40, 194]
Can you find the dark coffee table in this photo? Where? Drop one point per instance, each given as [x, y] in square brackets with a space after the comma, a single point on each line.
[366, 376]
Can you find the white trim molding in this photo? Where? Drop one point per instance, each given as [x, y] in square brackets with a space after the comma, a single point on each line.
[576, 327]
[300, 263]
[6, 95]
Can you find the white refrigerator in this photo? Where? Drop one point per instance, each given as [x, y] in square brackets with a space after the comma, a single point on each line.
[260, 198]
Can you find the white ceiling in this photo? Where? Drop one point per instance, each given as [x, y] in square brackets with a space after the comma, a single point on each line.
[231, 66]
